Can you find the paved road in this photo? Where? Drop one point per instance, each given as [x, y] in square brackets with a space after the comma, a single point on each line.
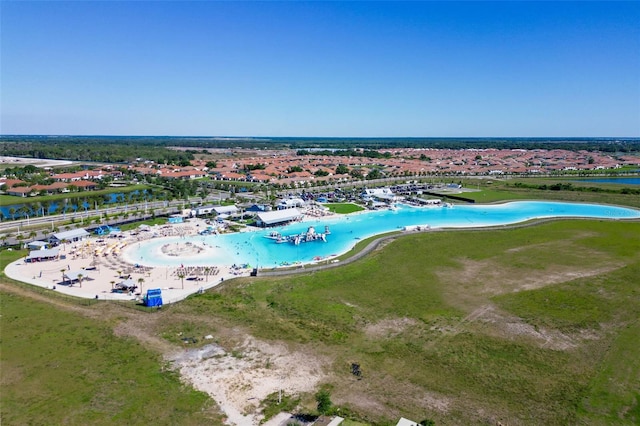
[42, 226]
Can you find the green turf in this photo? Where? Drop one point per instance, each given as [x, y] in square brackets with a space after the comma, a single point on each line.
[343, 208]
[614, 391]
[507, 189]
[427, 314]
[62, 368]
[434, 282]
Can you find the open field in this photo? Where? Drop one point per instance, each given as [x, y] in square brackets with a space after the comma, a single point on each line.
[507, 189]
[530, 325]
[465, 327]
[65, 365]
[343, 208]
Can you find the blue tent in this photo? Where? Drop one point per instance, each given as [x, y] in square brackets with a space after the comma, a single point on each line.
[153, 298]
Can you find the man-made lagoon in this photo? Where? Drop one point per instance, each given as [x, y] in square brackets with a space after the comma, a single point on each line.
[256, 249]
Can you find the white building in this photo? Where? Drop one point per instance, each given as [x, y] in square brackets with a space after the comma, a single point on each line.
[228, 210]
[69, 236]
[290, 203]
[278, 217]
[380, 194]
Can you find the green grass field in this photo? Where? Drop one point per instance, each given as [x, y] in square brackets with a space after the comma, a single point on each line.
[343, 208]
[60, 367]
[506, 189]
[534, 325]
[513, 323]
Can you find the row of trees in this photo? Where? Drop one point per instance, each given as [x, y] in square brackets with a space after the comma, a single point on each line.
[81, 203]
[156, 148]
[367, 153]
[570, 187]
[107, 150]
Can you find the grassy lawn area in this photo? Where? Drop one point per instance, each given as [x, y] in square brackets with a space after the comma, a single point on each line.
[59, 367]
[494, 195]
[62, 367]
[613, 393]
[527, 325]
[150, 222]
[507, 189]
[510, 323]
[343, 208]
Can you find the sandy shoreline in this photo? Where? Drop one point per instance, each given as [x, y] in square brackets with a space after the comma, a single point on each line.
[105, 262]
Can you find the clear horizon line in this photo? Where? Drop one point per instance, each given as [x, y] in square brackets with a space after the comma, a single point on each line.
[2, 135]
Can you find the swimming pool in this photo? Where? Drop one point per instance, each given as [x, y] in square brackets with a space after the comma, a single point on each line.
[255, 249]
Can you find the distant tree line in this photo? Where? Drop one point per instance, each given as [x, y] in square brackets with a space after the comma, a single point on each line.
[146, 146]
[368, 153]
[571, 187]
[92, 149]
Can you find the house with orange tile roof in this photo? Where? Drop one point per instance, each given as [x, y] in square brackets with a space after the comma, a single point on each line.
[19, 191]
[185, 174]
[10, 183]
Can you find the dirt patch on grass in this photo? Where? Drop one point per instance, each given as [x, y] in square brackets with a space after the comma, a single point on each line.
[379, 396]
[552, 245]
[389, 327]
[139, 329]
[502, 324]
[489, 277]
[493, 321]
[240, 379]
[559, 275]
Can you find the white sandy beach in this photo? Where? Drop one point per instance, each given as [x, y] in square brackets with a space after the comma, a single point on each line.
[104, 262]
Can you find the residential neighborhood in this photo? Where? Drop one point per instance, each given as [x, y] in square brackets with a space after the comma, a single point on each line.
[288, 169]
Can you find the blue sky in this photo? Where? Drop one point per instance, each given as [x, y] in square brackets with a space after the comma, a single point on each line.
[369, 69]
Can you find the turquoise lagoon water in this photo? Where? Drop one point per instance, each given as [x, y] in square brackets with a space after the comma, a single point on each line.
[254, 249]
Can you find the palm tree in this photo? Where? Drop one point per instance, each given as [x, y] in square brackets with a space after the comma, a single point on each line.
[47, 206]
[113, 283]
[140, 281]
[80, 277]
[37, 208]
[207, 271]
[181, 275]
[62, 272]
[24, 211]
